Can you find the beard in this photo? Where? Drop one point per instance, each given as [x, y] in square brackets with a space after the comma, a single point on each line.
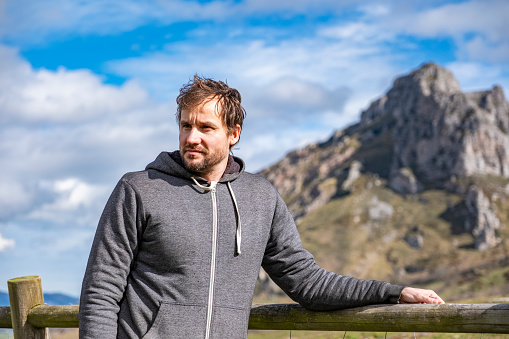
[207, 162]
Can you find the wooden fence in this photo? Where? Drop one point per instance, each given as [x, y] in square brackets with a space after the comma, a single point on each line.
[30, 318]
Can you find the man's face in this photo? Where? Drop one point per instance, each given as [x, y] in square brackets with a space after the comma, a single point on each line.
[205, 141]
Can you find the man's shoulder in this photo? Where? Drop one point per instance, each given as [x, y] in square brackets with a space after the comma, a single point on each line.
[255, 178]
[256, 183]
[150, 182]
[144, 177]
[131, 177]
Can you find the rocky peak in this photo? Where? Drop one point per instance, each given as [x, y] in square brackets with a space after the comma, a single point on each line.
[438, 131]
[423, 133]
[410, 90]
[429, 78]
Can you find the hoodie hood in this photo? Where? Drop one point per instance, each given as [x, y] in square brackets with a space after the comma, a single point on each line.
[171, 163]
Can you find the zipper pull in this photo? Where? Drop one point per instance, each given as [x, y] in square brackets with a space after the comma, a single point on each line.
[213, 185]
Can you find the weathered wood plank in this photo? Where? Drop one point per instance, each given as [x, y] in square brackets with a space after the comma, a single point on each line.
[453, 318]
[5, 317]
[54, 316]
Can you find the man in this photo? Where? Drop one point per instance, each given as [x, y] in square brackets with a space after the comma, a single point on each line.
[179, 245]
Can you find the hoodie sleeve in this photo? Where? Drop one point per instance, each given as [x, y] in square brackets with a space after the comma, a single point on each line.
[294, 270]
[113, 250]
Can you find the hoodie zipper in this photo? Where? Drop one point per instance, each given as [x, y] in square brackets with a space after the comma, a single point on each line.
[213, 185]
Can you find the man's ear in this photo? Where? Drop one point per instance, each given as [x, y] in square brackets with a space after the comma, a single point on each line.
[235, 135]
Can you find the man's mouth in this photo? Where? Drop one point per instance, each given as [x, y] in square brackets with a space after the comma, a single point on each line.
[193, 151]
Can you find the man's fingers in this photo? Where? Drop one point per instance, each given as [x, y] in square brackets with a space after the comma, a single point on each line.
[436, 298]
[419, 296]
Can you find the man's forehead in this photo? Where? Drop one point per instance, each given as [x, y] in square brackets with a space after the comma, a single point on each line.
[211, 103]
[209, 110]
[200, 118]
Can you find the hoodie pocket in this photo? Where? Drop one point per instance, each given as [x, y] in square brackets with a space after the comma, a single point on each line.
[230, 322]
[178, 321]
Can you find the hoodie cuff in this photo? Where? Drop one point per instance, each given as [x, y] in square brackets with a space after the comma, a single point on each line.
[395, 294]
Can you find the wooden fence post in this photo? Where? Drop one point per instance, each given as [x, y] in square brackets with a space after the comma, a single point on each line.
[24, 294]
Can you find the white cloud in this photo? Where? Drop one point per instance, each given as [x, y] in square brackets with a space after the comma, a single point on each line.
[6, 243]
[358, 32]
[14, 198]
[480, 48]
[479, 28]
[294, 99]
[45, 97]
[375, 9]
[66, 138]
[487, 17]
[74, 201]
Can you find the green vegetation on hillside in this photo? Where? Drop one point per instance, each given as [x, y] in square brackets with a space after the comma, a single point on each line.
[374, 233]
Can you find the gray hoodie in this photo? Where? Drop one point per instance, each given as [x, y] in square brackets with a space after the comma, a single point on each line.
[175, 256]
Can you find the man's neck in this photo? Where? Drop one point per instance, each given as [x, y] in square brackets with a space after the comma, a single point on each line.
[216, 176]
[212, 174]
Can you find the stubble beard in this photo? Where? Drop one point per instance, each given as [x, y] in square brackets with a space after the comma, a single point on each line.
[206, 164]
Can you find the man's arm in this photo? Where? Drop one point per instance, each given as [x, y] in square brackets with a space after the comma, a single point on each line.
[296, 272]
[111, 256]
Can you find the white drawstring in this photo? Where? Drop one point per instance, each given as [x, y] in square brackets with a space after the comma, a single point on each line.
[239, 224]
[206, 188]
[238, 236]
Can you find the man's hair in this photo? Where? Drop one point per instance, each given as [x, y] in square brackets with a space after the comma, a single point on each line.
[201, 90]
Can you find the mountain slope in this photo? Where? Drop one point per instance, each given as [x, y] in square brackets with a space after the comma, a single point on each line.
[415, 193]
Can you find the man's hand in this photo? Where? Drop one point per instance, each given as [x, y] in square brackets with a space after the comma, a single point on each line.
[411, 295]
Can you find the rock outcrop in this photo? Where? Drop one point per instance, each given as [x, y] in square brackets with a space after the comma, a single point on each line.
[308, 178]
[404, 181]
[482, 222]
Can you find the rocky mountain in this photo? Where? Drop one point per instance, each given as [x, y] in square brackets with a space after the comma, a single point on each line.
[419, 184]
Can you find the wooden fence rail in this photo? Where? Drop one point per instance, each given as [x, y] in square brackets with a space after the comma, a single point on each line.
[30, 318]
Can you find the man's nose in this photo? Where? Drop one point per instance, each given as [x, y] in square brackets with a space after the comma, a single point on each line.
[193, 137]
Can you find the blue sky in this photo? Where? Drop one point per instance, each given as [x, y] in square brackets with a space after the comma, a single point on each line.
[87, 92]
